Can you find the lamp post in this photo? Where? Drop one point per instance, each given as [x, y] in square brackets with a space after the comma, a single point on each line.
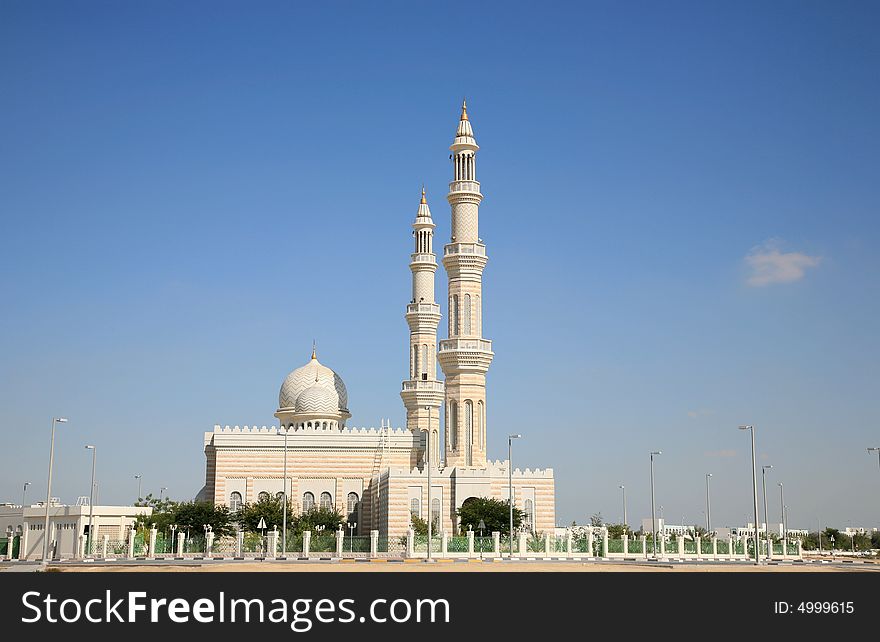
[140, 479]
[708, 507]
[24, 494]
[428, 465]
[510, 439]
[754, 488]
[284, 497]
[876, 450]
[764, 470]
[782, 508]
[55, 420]
[653, 514]
[92, 497]
[173, 529]
[351, 527]
[623, 488]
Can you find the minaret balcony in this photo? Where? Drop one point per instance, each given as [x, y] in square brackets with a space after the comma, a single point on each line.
[423, 308]
[465, 355]
[422, 258]
[427, 386]
[471, 345]
[464, 248]
[471, 187]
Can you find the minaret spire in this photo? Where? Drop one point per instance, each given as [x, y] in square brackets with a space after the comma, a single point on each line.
[422, 394]
[465, 356]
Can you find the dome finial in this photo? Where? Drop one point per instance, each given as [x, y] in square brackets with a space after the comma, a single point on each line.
[314, 350]
[464, 115]
[423, 201]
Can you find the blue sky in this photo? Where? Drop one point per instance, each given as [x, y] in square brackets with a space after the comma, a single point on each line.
[680, 212]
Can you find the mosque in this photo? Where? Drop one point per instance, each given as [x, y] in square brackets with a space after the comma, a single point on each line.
[378, 478]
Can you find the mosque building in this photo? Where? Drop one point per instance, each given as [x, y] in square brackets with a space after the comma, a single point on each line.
[378, 478]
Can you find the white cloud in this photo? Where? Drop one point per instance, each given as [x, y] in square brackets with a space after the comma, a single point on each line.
[769, 265]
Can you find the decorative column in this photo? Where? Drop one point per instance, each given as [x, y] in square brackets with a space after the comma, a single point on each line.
[181, 538]
[209, 543]
[465, 356]
[374, 543]
[105, 540]
[714, 548]
[568, 542]
[605, 543]
[730, 550]
[523, 546]
[10, 541]
[699, 541]
[470, 542]
[80, 547]
[130, 550]
[496, 542]
[307, 543]
[23, 543]
[625, 544]
[340, 540]
[681, 545]
[410, 542]
[547, 544]
[239, 544]
[444, 543]
[644, 545]
[590, 542]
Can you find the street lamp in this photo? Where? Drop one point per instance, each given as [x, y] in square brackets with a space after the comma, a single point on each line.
[140, 479]
[754, 488]
[92, 497]
[351, 527]
[764, 470]
[55, 420]
[24, 494]
[428, 464]
[708, 507]
[875, 450]
[510, 439]
[623, 488]
[284, 497]
[653, 514]
[782, 508]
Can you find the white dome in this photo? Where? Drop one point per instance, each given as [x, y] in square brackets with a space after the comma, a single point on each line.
[325, 387]
[316, 400]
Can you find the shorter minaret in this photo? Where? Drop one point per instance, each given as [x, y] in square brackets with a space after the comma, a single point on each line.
[422, 394]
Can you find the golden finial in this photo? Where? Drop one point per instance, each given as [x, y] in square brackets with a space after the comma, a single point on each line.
[424, 202]
[314, 350]
[464, 109]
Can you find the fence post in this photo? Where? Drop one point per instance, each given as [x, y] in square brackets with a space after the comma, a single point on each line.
[547, 544]
[410, 542]
[239, 544]
[714, 548]
[80, 547]
[152, 548]
[644, 545]
[625, 544]
[730, 549]
[181, 538]
[496, 542]
[681, 545]
[699, 541]
[662, 544]
[590, 542]
[307, 543]
[800, 550]
[605, 543]
[130, 547]
[22, 543]
[522, 544]
[444, 544]
[340, 540]
[209, 543]
[272, 543]
[104, 542]
[470, 536]
[568, 538]
[374, 543]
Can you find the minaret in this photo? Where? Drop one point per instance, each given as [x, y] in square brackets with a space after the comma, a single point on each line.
[465, 356]
[422, 394]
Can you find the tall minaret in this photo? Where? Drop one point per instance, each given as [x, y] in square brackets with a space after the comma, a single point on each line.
[465, 356]
[422, 394]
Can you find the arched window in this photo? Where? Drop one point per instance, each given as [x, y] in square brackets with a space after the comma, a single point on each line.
[308, 502]
[352, 508]
[481, 425]
[469, 431]
[415, 361]
[414, 507]
[424, 358]
[326, 501]
[435, 445]
[529, 516]
[263, 496]
[467, 314]
[455, 324]
[234, 502]
[477, 315]
[453, 425]
[435, 515]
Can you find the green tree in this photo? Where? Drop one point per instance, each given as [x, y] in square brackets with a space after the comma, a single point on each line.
[162, 515]
[326, 517]
[616, 531]
[494, 513]
[596, 519]
[191, 517]
[419, 525]
[270, 509]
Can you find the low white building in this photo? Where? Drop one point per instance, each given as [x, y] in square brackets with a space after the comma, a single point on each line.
[24, 527]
